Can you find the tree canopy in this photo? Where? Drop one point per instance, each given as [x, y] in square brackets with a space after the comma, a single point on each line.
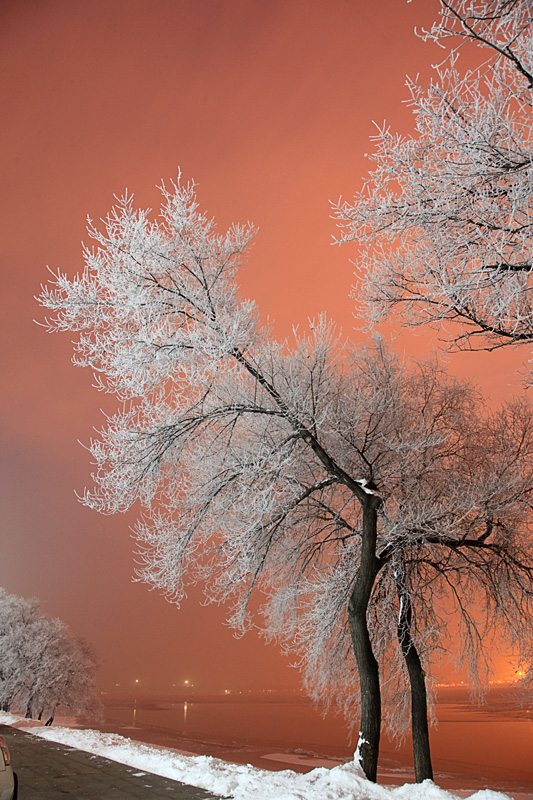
[43, 668]
[361, 499]
[442, 226]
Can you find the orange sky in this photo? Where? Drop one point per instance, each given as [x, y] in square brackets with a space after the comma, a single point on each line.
[268, 105]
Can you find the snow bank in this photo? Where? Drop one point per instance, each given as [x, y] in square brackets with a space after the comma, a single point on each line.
[344, 782]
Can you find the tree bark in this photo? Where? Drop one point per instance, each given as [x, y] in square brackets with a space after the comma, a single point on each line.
[367, 666]
[417, 679]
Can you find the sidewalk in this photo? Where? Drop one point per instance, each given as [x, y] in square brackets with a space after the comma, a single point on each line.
[49, 771]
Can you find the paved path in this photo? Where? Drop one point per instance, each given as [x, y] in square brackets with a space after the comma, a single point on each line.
[50, 771]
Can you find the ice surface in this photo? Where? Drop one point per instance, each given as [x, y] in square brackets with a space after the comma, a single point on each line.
[343, 782]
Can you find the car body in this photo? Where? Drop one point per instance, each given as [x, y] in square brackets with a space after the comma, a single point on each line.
[8, 779]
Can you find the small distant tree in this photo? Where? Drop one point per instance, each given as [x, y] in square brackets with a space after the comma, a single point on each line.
[17, 617]
[443, 224]
[42, 666]
[41, 643]
[67, 680]
[311, 472]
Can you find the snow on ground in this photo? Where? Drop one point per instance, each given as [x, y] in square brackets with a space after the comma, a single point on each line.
[344, 782]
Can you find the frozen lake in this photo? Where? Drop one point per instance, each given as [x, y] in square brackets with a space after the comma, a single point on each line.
[491, 745]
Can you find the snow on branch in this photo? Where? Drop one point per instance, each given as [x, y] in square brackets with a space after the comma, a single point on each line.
[300, 473]
[442, 226]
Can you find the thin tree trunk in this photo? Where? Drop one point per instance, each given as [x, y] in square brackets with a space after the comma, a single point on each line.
[367, 666]
[417, 679]
[29, 705]
[50, 719]
[6, 705]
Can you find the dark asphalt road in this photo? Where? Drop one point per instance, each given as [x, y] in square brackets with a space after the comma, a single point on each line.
[50, 771]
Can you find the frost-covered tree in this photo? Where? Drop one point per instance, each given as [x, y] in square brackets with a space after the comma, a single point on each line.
[42, 638]
[308, 471]
[18, 616]
[220, 435]
[454, 551]
[65, 680]
[42, 666]
[443, 224]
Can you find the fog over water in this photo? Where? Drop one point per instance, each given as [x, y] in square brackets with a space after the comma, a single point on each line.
[473, 746]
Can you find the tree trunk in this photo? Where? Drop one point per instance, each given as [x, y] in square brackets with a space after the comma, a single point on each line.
[417, 679]
[367, 666]
[29, 706]
[8, 702]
